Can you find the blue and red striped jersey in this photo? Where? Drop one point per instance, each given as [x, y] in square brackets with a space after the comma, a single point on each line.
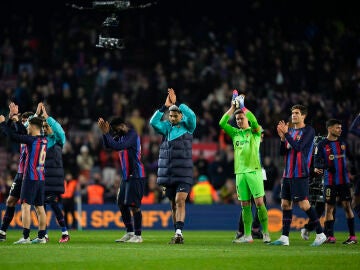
[331, 156]
[297, 149]
[36, 147]
[129, 148]
[22, 158]
[35, 158]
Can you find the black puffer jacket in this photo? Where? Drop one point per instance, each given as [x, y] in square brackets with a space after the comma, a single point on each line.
[54, 170]
[175, 161]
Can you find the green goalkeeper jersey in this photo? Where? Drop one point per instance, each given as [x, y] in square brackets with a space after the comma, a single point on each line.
[246, 143]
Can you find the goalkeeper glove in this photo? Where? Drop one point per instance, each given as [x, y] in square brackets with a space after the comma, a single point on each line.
[234, 95]
[239, 101]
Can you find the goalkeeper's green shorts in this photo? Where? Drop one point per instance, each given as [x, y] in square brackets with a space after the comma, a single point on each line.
[250, 184]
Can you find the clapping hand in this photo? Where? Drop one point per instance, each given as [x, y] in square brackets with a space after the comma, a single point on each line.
[239, 101]
[14, 110]
[103, 125]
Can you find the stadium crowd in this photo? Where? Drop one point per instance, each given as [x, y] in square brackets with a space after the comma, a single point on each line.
[277, 61]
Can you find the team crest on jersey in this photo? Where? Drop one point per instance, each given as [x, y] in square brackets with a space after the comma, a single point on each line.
[237, 143]
[298, 137]
[343, 147]
[331, 157]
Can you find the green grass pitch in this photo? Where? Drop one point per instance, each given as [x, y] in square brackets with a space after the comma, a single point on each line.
[96, 249]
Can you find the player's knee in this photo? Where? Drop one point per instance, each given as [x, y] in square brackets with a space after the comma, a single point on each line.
[180, 201]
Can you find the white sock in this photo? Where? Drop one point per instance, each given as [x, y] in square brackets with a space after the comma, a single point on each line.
[178, 231]
[2, 232]
[65, 233]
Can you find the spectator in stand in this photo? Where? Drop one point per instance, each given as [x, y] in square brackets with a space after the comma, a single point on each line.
[68, 200]
[85, 161]
[202, 164]
[203, 192]
[153, 192]
[217, 170]
[96, 190]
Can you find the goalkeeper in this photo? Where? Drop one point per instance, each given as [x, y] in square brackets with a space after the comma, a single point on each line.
[249, 180]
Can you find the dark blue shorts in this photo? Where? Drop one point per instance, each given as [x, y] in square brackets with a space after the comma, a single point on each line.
[15, 190]
[171, 191]
[334, 191]
[131, 192]
[52, 196]
[295, 189]
[32, 192]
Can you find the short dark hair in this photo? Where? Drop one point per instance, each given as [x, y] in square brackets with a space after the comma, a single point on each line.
[331, 122]
[26, 114]
[117, 121]
[37, 121]
[303, 109]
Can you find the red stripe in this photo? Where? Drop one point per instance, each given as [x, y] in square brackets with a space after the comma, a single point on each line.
[330, 176]
[339, 162]
[36, 159]
[299, 164]
[126, 156]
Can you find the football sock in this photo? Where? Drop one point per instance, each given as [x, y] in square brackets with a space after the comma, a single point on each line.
[357, 210]
[329, 227]
[179, 226]
[137, 222]
[126, 217]
[351, 225]
[287, 218]
[41, 234]
[59, 215]
[26, 233]
[311, 213]
[263, 218]
[8, 216]
[247, 219]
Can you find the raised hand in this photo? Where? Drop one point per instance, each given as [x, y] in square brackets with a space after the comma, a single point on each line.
[2, 118]
[234, 94]
[14, 109]
[168, 101]
[44, 112]
[239, 101]
[103, 125]
[38, 109]
[281, 129]
[172, 95]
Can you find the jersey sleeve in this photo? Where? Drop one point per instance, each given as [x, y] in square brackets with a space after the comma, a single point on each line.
[303, 142]
[57, 129]
[157, 124]
[189, 117]
[226, 126]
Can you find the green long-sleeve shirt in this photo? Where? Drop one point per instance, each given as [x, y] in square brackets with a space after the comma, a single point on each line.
[246, 143]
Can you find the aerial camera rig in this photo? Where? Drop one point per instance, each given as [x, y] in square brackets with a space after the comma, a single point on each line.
[109, 38]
